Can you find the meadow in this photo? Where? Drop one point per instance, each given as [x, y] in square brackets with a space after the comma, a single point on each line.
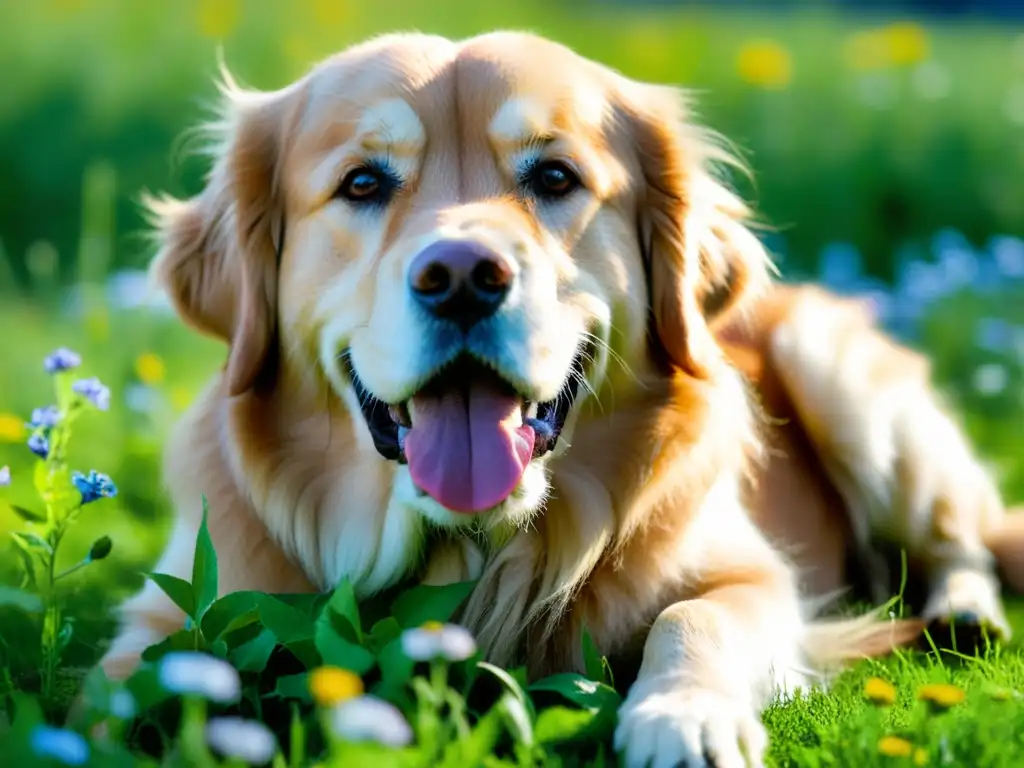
[887, 159]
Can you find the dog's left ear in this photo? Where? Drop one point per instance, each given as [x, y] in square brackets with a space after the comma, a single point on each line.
[702, 259]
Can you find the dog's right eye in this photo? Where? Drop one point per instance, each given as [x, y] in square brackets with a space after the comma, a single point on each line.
[367, 185]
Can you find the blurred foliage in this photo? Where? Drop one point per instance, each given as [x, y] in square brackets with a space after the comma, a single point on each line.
[865, 129]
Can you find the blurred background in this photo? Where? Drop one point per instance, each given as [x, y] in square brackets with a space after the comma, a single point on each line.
[886, 138]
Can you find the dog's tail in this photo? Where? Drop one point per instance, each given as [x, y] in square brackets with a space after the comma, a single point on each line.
[1005, 540]
[830, 644]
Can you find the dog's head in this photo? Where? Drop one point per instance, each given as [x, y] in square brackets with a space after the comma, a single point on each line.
[463, 241]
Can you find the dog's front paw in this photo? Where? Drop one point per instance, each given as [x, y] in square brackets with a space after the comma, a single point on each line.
[667, 723]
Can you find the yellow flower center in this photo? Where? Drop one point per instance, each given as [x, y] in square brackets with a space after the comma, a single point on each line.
[150, 369]
[432, 626]
[333, 685]
[894, 746]
[12, 428]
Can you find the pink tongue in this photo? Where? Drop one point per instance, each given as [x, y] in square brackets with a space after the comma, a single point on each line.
[464, 449]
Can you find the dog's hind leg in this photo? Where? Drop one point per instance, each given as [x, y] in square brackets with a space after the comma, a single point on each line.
[902, 464]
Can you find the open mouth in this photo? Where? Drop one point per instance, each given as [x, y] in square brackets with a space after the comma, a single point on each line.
[468, 434]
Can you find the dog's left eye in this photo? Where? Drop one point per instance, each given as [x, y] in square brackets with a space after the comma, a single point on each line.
[367, 185]
[551, 179]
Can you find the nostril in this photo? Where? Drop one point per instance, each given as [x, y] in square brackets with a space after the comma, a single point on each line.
[491, 277]
[434, 280]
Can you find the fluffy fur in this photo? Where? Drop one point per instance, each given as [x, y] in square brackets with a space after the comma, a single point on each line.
[741, 446]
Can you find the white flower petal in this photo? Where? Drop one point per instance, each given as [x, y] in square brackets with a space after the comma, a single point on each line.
[456, 643]
[189, 672]
[242, 739]
[421, 644]
[367, 718]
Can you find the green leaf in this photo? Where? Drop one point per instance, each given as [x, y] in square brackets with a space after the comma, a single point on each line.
[9, 596]
[518, 718]
[27, 514]
[179, 590]
[382, 633]
[182, 640]
[289, 624]
[254, 655]
[479, 745]
[561, 724]
[100, 549]
[204, 568]
[32, 541]
[581, 691]
[28, 564]
[508, 682]
[395, 668]
[342, 605]
[293, 687]
[428, 602]
[593, 662]
[231, 612]
[339, 652]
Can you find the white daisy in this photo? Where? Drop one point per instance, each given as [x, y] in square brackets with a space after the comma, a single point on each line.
[191, 672]
[367, 718]
[241, 739]
[434, 640]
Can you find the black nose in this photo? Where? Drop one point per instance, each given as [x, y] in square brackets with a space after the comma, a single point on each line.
[460, 280]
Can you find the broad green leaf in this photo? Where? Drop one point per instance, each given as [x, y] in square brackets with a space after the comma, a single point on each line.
[339, 652]
[182, 640]
[204, 568]
[23, 600]
[430, 603]
[305, 651]
[560, 724]
[28, 563]
[289, 624]
[508, 682]
[293, 687]
[233, 611]
[517, 717]
[593, 662]
[254, 655]
[395, 668]
[582, 692]
[382, 633]
[27, 514]
[32, 541]
[179, 590]
[342, 604]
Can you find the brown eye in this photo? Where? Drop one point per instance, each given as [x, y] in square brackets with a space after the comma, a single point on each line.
[368, 185]
[552, 179]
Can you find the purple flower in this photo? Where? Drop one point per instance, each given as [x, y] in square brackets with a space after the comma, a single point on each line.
[5, 476]
[45, 418]
[94, 391]
[94, 486]
[39, 445]
[62, 359]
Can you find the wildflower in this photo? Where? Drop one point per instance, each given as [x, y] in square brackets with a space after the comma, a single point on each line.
[122, 705]
[766, 64]
[920, 756]
[192, 672]
[241, 739]
[941, 695]
[39, 445]
[894, 746]
[367, 718]
[45, 418]
[879, 692]
[12, 429]
[94, 391]
[5, 476]
[435, 640]
[990, 379]
[333, 685]
[59, 744]
[62, 359]
[149, 368]
[94, 486]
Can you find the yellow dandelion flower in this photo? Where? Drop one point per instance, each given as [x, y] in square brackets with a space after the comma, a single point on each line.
[894, 746]
[217, 18]
[879, 692]
[333, 685]
[766, 64]
[920, 757]
[150, 368]
[12, 428]
[907, 43]
[941, 695]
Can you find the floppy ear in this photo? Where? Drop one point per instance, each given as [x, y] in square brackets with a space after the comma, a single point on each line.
[702, 260]
[218, 256]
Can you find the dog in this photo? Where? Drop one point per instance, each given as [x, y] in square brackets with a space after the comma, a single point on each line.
[494, 313]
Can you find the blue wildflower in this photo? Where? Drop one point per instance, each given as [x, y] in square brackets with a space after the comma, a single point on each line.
[94, 486]
[45, 418]
[5, 476]
[39, 445]
[94, 391]
[64, 746]
[62, 359]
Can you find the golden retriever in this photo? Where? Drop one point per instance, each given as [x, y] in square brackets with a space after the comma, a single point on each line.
[494, 292]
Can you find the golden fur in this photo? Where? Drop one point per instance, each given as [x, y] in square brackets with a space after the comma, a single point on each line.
[738, 435]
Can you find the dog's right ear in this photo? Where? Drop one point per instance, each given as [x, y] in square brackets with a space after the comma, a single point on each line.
[218, 251]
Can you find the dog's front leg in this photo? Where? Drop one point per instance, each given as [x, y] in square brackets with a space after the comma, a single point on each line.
[710, 664]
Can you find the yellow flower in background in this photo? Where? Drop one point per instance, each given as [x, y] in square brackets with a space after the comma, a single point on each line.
[900, 44]
[298, 49]
[766, 64]
[330, 12]
[879, 692]
[333, 685]
[894, 746]
[12, 428]
[941, 695]
[180, 398]
[150, 369]
[649, 50]
[920, 757]
[217, 18]
[907, 43]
